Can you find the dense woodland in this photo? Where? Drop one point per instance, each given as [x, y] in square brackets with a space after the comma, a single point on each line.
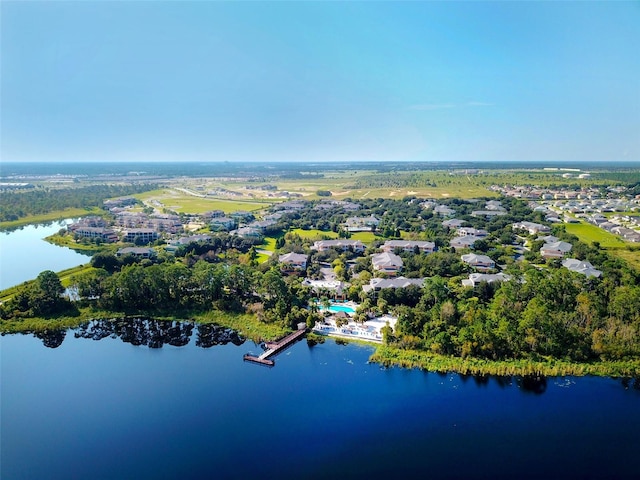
[16, 205]
[544, 311]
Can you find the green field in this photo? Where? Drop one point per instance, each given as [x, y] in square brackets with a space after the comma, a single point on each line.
[613, 244]
[313, 234]
[182, 202]
[589, 233]
[365, 237]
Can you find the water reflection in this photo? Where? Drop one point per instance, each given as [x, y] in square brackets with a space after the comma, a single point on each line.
[156, 333]
[51, 338]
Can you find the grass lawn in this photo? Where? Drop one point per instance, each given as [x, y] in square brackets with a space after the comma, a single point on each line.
[51, 216]
[364, 237]
[613, 244]
[269, 244]
[590, 233]
[181, 202]
[313, 234]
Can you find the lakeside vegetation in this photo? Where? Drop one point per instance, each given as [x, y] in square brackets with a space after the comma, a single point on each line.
[551, 367]
[51, 202]
[49, 217]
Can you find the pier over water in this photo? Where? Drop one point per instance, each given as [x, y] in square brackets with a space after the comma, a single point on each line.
[274, 348]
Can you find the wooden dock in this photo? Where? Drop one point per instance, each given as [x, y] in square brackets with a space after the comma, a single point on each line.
[274, 348]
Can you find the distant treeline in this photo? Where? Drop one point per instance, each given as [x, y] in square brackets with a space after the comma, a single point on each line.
[16, 205]
[399, 179]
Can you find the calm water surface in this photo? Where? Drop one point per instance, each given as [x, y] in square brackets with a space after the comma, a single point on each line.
[108, 409]
[24, 254]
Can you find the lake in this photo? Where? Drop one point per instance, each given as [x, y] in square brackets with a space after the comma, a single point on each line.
[24, 254]
[140, 399]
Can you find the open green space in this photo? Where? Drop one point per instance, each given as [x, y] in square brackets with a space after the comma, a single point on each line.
[313, 234]
[182, 202]
[589, 233]
[364, 237]
[50, 217]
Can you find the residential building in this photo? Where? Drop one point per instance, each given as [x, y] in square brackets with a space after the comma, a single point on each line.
[531, 227]
[482, 263]
[340, 244]
[469, 231]
[377, 284]
[146, 235]
[459, 243]
[453, 223]
[222, 223]
[138, 252]
[581, 266]
[555, 249]
[409, 246]
[477, 278]
[387, 262]
[361, 224]
[293, 261]
[105, 234]
[443, 210]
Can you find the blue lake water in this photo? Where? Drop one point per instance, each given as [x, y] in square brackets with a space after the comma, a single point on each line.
[110, 410]
[24, 254]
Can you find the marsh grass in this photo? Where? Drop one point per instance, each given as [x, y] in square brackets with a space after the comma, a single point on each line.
[389, 356]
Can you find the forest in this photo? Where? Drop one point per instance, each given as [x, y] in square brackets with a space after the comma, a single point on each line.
[17, 205]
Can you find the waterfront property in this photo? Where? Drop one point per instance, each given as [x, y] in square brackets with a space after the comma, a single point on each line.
[138, 252]
[370, 331]
[145, 235]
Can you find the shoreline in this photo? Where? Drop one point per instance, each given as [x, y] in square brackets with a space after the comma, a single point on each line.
[384, 355]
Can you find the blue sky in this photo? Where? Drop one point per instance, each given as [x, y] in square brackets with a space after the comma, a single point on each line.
[319, 81]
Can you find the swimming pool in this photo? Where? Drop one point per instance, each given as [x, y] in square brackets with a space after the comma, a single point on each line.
[342, 308]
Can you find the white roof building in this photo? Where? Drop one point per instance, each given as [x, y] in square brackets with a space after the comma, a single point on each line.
[581, 266]
[341, 244]
[400, 282]
[476, 278]
[409, 246]
[555, 249]
[479, 262]
[387, 262]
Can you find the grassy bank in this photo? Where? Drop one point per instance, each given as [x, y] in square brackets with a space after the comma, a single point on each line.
[247, 325]
[50, 217]
[389, 356]
[69, 241]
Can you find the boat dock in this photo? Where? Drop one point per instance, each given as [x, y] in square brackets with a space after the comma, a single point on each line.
[274, 348]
